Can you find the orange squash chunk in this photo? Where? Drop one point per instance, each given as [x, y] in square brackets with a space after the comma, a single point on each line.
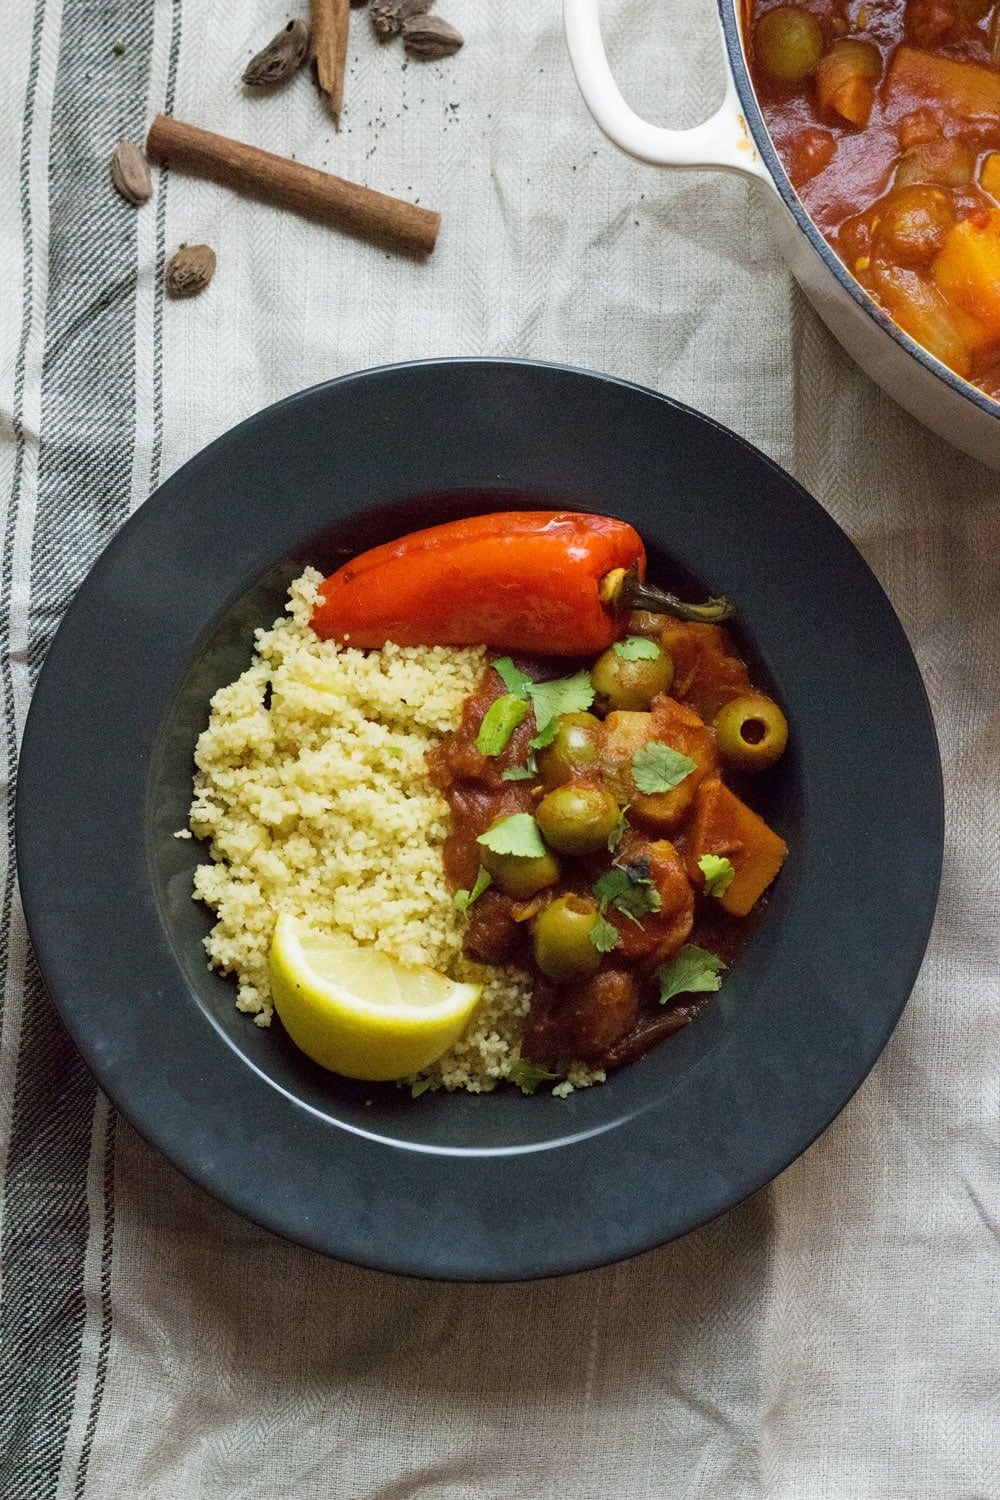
[707, 671]
[968, 90]
[669, 723]
[967, 270]
[721, 824]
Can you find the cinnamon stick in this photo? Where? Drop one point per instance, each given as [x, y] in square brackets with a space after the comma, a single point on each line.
[289, 184]
[328, 20]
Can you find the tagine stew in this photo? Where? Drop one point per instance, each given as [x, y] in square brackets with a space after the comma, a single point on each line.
[607, 854]
[886, 114]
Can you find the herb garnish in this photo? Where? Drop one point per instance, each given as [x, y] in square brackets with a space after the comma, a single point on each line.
[462, 900]
[499, 722]
[528, 1075]
[518, 834]
[629, 889]
[693, 971]
[718, 872]
[659, 768]
[567, 695]
[636, 648]
[605, 935]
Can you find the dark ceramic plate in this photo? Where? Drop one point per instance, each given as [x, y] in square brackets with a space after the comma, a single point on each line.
[501, 1186]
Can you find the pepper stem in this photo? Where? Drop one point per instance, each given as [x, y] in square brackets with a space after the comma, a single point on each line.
[623, 590]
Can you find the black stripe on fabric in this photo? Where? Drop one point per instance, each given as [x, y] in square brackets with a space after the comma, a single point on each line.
[161, 255]
[84, 479]
[107, 1246]
[11, 1412]
[17, 422]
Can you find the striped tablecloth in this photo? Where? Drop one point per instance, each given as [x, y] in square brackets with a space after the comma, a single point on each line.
[833, 1339]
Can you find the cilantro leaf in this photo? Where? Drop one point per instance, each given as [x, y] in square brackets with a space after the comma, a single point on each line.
[604, 936]
[638, 900]
[631, 893]
[659, 768]
[420, 1086]
[513, 680]
[528, 1075]
[567, 695]
[394, 750]
[545, 736]
[618, 832]
[462, 900]
[636, 648]
[517, 834]
[517, 773]
[718, 872]
[612, 884]
[499, 722]
[694, 971]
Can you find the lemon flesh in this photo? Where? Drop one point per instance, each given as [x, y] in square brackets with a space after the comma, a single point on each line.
[359, 1012]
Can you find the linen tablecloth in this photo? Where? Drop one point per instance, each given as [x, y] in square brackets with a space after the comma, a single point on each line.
[835, 1338]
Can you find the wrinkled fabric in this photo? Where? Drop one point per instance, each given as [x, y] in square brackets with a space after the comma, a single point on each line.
[832, 1339]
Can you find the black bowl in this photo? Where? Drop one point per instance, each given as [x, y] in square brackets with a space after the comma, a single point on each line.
[498, 1186]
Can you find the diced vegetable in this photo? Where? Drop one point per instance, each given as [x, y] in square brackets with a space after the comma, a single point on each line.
[707, 671]
[949, 161]
[968, 270]
[628, 735]
[989, 176]
[724, 825]
[916, 304]
[964, 89]
[846, 79]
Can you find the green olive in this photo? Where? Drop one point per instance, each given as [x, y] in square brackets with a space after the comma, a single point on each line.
[563, 949]
[520, 875]
[751, 732]
[576, 747]
[788, 44]
[577, 818]
[630, 685]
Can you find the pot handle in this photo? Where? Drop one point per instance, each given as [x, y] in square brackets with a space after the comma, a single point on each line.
[722, 141]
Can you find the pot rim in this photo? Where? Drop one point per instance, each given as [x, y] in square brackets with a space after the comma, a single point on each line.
[732, 33]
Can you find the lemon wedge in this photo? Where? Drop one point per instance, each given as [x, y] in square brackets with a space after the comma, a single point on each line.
[359, 1012]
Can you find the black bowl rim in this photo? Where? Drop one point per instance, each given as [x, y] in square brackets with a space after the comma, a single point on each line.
[575, 1241]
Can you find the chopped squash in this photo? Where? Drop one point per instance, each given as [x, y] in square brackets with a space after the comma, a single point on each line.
[707, 671]
[966, 90]
[724, 825]
[916, 304]
[967, 270]
[989, 176]
[669, 723]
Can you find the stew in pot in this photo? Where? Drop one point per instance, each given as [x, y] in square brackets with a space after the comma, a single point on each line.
[886, 114]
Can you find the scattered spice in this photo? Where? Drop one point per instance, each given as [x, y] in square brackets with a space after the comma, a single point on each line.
[189, 270]
[283, 56]
[330, 19]
[429, 37]
[130, 173]
[388, 15]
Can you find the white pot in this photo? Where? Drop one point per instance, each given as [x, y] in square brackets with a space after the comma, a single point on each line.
[735, 139]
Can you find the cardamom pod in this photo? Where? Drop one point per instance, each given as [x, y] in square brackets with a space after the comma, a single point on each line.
[282, 56]
[388, 15]
[130, 173]
[429, 37]
[189, 270]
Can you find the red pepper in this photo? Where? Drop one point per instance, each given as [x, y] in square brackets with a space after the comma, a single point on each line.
[521, 580]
